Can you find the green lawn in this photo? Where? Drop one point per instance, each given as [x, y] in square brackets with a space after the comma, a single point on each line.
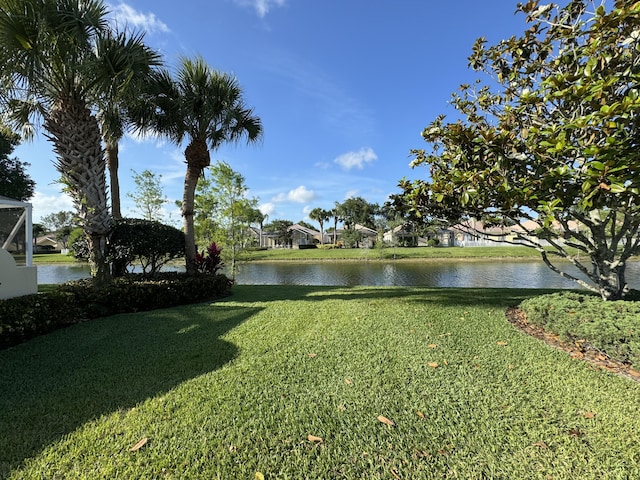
[399, 253]
[233, 389]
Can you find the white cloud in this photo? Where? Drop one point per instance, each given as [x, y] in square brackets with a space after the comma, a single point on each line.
[357, 159]
[281, 197]
[261, 7]
[350, 194]
[124, 14]
[43, 204]
[297, 195]
[267, 208]
[301, 195]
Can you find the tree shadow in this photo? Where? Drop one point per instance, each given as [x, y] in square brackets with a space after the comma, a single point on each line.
[54, 384]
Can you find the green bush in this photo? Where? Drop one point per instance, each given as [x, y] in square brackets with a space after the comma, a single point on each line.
[78, 244]
[612, 327]
[25, 317]
[150, 243]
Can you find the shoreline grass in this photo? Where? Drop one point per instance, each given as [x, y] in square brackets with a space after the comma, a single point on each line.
[234, 388]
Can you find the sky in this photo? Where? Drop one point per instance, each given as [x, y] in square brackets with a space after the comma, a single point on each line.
[343, 88]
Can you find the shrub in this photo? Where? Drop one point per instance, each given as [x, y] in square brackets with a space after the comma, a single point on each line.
[25, 317]
[612, 327]
[210, 262]
[150, 243]
[78, 244]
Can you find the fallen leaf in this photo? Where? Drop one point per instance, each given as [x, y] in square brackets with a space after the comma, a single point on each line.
[589, 414]
[420, 414]
[502, 344]
[313, 355]
[314, 439]
[348, 381]
[432, 345]
[433, 364]
[386, 421]
[574, 432]
[540, 444]
[258, 476]
[342, 408]
[445, 362]
[139, 445]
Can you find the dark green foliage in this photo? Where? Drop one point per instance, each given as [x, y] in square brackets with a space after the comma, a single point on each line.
[15, 182]
[612, 327]
[25, 317]
[150, 243]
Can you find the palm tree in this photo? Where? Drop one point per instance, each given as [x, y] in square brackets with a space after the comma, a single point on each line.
[336, 214]
[112, 113]
[53, 70]
[320, 215]
[206, 108]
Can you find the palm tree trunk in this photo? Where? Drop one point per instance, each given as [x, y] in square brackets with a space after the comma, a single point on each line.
[76, 139]
[111, 156]
[197, 157]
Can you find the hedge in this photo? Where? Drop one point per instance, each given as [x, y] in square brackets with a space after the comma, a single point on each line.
[25, 317]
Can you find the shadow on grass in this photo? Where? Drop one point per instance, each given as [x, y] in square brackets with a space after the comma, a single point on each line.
[495, 297]
[54, 384]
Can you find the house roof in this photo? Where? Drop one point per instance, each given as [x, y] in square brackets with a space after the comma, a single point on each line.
[305, 230]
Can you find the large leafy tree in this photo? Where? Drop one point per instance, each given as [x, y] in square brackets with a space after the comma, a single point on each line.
[204, 107]
[554, 138]
[15, 182]
[356, 210]
[60, 60]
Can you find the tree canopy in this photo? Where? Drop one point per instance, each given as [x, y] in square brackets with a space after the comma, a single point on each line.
[552, 137]
[16, 182]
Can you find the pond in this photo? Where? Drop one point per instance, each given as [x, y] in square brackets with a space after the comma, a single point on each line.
[498, 273]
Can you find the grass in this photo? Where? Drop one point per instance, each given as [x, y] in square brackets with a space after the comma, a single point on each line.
[44, 258]
[234, 388]
[399, 253]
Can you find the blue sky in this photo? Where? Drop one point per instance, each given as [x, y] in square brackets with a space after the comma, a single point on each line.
[343, 89]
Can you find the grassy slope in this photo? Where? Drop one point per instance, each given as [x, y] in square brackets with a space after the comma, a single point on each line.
[400, 253]
[234, 388]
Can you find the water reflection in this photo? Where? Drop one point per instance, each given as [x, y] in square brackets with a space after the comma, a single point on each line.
[445, 273]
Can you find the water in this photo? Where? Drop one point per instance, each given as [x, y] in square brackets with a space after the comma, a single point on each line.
[442, 273]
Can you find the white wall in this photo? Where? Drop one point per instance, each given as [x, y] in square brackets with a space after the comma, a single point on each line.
[16, 281]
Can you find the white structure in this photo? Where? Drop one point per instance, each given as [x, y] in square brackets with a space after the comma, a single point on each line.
[16, 280]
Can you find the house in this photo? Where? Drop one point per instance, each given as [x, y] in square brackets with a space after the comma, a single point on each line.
[404, 235]
[368, 236]
[299, 235]
[46, 244]
[302, 236]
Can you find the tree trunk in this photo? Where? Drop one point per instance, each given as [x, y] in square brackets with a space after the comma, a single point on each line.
[77, 142]
[119, 266]
[197, 157]
[111, 156]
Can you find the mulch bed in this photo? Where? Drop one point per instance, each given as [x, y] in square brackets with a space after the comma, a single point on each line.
[580, 350]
